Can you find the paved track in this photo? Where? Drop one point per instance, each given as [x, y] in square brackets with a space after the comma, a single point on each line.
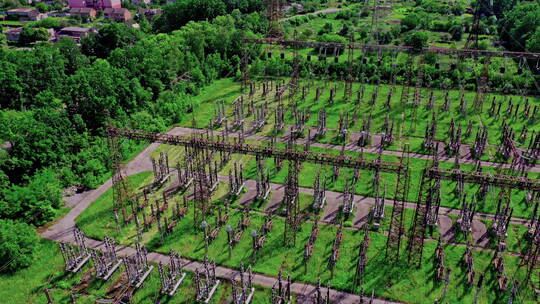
[62, 231]
[464, 158]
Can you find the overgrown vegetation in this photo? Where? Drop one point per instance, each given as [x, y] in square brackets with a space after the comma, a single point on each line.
[57, 100]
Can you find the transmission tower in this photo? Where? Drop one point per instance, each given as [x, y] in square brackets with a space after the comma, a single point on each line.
[274, 12]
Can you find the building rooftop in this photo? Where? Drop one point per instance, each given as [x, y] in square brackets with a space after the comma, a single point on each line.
[22, 10]
[77, 29]
[115, 10]
[13, 30]
[81, 10]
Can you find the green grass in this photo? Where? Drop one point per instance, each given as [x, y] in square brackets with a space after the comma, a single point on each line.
[95, 220]
[412, 126]
[47, 271]
[11, 22]
[364, 187]
[389, 280]
[228, 90]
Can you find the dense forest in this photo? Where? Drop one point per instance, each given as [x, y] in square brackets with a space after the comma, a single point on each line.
[56, 100]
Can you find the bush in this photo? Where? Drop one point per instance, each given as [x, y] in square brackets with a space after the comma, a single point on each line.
[483, 45]
[42, 7]
[409, 22]
[456, 31]
[31, 35]
[417, 39]
[439, 26]
[345, 15]
[326, 29]
[332, 38]
[34, 203]
[18, 242]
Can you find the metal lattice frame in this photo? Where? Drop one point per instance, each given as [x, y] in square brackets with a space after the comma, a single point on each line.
[393, 48]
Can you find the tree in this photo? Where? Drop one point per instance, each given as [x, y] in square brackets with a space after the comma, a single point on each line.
[34, 203]
[42, 7]
[181, 12]
[417, 39]
[39, 138]
[10, 86]
[100, 92]
[520, 24]
[18, 242]
[40, 69]
[456, 31]
[3, 40]
[72, 53]
[31, 35]
[111, 36]
[409, 22]
[533, 44]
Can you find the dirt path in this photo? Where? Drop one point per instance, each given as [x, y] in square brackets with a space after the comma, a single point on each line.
[301, 289]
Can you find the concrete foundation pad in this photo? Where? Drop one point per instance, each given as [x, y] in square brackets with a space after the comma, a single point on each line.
[175, 287]
[113, 269]
[211, 293]
[81, 264]
[145, 275]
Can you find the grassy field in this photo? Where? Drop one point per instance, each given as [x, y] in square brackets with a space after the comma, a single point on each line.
[389, 280]
[409, 120]
[449, 197]
[27, 285]
[409, 129]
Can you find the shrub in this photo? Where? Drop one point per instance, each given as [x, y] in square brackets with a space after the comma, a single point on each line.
[456, 31]
[409, 22]
[30, 35]
[326, 29]
[417, 39]
[18, 242]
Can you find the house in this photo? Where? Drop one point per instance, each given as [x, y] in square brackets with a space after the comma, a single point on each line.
[24, 14]
[95, 4]
[74, 32]
[117, 14]
[149, 13]
[86, 13]
[141, 2]
[13, 34]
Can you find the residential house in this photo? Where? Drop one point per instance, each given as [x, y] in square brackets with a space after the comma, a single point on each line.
[87, 13]
[117, 14]
[24, 14]
[149, 13]
[13, 34]
[95, 4]
[74, 32]
[141, 2]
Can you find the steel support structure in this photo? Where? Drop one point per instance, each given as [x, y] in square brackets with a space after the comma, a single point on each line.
[415, 246]
[395, 234]
[120, 186]
[393, 48]
[338, 160]
[274, 14]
